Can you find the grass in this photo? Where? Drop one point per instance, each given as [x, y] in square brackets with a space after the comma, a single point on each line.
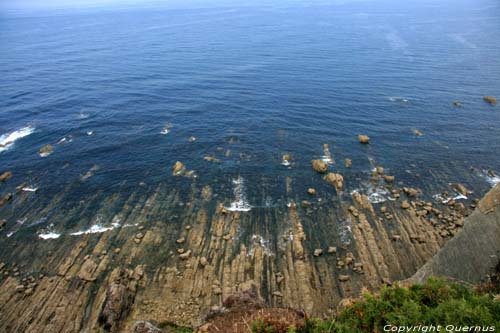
[436, 302]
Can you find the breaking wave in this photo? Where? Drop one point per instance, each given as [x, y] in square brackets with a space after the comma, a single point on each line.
[7, 140]
[240, 204]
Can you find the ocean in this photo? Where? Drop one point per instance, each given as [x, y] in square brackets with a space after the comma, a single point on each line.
[122, 93]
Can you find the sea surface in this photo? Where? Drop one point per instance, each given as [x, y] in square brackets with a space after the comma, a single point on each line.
[122, 93]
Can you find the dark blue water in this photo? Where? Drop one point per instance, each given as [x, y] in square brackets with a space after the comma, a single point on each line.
[250, 83]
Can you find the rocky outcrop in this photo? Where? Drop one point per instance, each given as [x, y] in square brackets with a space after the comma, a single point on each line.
[490, 99]
[178, 169]
[474, 250]
[46, 150]
[5, 176]
[319, 166]
[364, 139]
[335, 179]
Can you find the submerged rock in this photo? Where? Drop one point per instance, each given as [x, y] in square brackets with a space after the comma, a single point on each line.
[46, 150]
[319, 166]
[457, 104]
[5, 176]
[336, 180]
[6, 198]
[460, 189]
[490, 99]
[364, 139]
[178, 169]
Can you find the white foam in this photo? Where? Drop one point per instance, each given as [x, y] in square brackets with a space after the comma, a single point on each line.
[490, 177]
[7, 140]
[10, 234]
[258, 240]
[240, 204]
[95, 229]
[65, 140]
[375, 193]
[439, 197]
[30, 189]
[49, 235]
[286, 163]
[90, 133]
[399, 99]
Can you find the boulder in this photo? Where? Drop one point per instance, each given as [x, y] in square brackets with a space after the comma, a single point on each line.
[348, 163]
[364, 139]
[490, 99]
[203, 261]
[332, 250]
[319, 166]
[287, 159]
[405, 204]
[389, 179]
[46, 150]
[318, 252]
[335, 179]
[417, 132]
[180, 240]
[344, 278]
[5, 176]
[185, 255]
[311, 191]
[178, 169]
[87, 270]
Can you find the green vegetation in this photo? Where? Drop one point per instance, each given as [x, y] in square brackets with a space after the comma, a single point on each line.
[436, 302]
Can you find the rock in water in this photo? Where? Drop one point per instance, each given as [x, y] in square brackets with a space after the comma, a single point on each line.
[389, 179]
[5, 176]
[311, 191]
[46, 150]
[490, 99]
[457, 104]
[287, 159]
[417, 132]
[460, 189]
[348, 163]
[178, 169]
[364, 139]
[319, 166]
[336, 180]
[6, 198]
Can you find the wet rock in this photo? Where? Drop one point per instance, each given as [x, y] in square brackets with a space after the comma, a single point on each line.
[364, 139]
[46, 150]
[287, 159]
[460, 189]
[311, 191]
[490, 99]
[20, 288]
[332, 250]
[383, 209]
[379, 170]
[319, 166]
[2, 223]
[335, 179]
[344, 278]
[5, 176]
[6, 198]
[180, 240]
[457, 104]
[178, 169]
[348, 163]
[306, 203]
[389, 179]
[405, 204]
[417, 132]
[318, 252]
[411, 192]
